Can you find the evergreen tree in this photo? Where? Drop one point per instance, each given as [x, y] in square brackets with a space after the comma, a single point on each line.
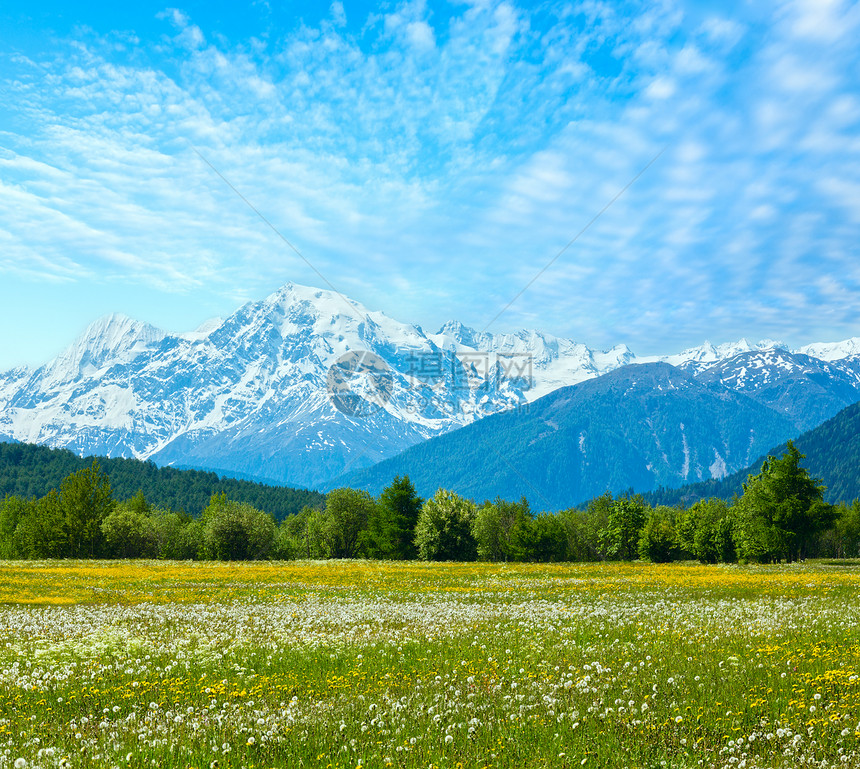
[391, 528]
[138, 504]
[86, 500]
[32, 471]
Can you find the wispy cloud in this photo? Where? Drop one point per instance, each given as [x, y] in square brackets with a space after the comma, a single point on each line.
[431, 158]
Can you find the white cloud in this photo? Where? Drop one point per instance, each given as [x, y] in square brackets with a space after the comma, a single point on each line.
[722, 31]
[420, 35]
[338, 14]
[436, 163]
[822, 20]
[690, 61]
[660, 88]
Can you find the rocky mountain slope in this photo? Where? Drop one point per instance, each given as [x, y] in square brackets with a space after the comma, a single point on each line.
[306, 385]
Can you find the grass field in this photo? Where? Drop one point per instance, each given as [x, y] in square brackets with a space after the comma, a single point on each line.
[346, 664]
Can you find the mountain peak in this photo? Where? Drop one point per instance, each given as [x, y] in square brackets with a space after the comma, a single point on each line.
[461, 334]
[452, 328]
[113, 338]
[109, 334]
[302, 302]
[291, 293]
[252, 394]
[621, 352]
[831, 351]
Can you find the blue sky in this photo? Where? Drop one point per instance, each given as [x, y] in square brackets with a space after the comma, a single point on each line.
[428, 158]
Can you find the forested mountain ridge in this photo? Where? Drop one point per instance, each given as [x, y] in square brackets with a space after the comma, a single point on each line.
[30, 471]
[832, 453]
[640, 426]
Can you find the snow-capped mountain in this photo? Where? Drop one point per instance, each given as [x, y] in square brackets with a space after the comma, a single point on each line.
[249, 394]
[805, 389]
[307, 384]
[833, 351]
[639, 426]
[552, 362]
[705, 355]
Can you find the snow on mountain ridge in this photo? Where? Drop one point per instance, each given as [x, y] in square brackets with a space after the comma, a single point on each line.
[202, 331]
[707, 353]
[253, 387]
[833, 351]
[109, 340]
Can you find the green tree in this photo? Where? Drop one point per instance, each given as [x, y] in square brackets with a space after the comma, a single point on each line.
[138, 504]
[129, 533]
[585, 527]
[346, 515]
[316, 540]
[41, 529]
[540, 539]
[620, 537]
[301, 535]
[235, 531]
[781, 510]
[658, 541]
[177, 535]
[390, 531]
[493, 526]
[713, 537]
[444, 528]
[686, 522]
[12, 510]
[847, 530]
[86, 500]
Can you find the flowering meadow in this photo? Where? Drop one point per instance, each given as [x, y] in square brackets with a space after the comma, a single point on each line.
[377, 664]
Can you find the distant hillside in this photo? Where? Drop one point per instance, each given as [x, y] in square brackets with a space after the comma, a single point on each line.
[641, 425]
[32, 471]
[832, 453]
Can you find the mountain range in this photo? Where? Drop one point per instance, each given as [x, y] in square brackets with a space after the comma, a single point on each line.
[640, 426]
[306, 387]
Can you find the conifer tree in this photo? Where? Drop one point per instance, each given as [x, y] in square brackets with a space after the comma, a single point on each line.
[86, 500]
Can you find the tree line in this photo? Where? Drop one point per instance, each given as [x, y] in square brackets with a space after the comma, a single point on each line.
[28, 470]
[780, 516]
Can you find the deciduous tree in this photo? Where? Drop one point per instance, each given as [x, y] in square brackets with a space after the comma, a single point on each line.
[444, 528]
[781, 509]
